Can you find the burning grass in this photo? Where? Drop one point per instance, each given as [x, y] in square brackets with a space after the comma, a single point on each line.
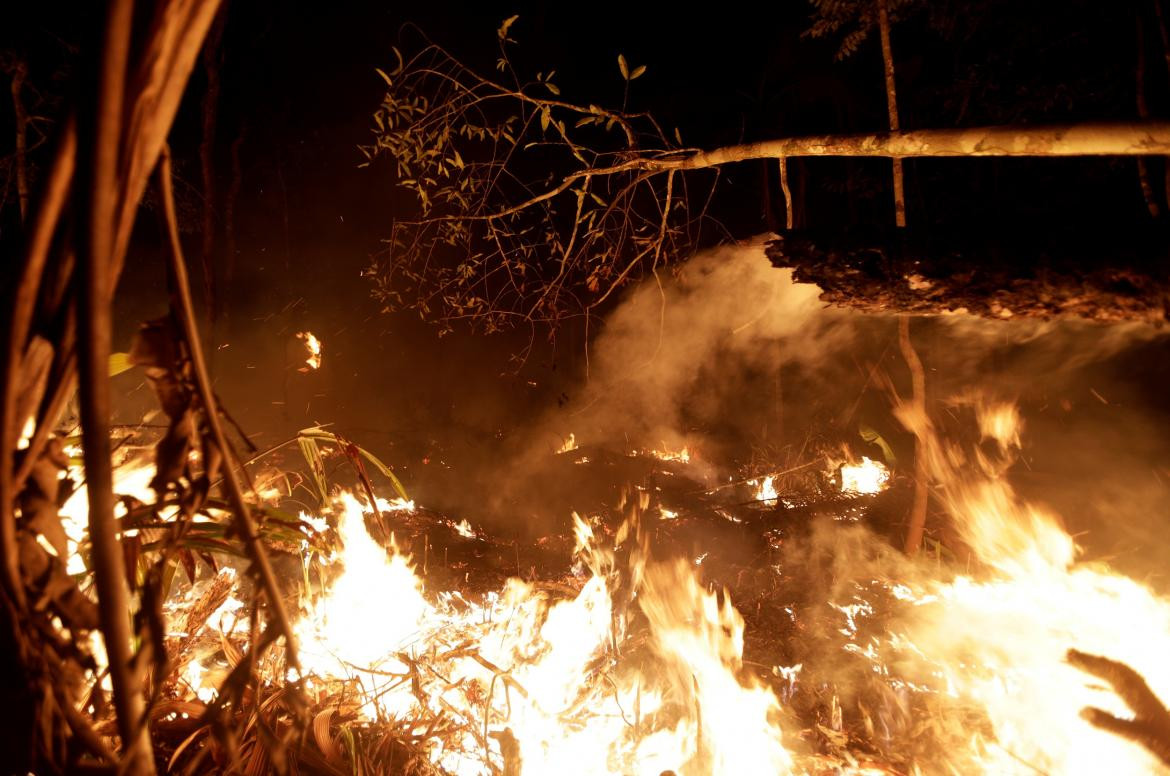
[690, 629]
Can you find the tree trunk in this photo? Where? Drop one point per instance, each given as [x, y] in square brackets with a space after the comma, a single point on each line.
[1143, 110]
[101, 125]
[1135, 138]
[212, 60]
[892, 108]
[19, 72]
[992, 274]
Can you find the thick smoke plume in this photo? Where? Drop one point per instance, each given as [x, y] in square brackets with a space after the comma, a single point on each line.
[736, 361]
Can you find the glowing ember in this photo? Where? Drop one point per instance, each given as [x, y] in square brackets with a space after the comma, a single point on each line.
[463, 528]
[313, 348]
[864, 478]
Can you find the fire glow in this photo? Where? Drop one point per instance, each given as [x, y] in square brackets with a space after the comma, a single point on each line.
[312, 348]
[639, 668]
[864, 478]
[562, 693]
[991, 646]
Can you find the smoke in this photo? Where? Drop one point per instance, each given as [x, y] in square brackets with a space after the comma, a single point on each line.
[678, 354]
[739, 363]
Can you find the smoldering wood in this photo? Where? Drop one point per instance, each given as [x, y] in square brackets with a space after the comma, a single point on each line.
[1093, 274]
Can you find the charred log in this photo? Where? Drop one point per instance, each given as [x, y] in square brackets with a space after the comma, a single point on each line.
[1039, 273]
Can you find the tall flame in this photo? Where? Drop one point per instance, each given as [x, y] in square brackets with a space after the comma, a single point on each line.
[545, 675]
[313, 348]
[999, 640]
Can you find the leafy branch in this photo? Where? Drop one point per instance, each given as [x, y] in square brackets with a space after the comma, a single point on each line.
[526, 208]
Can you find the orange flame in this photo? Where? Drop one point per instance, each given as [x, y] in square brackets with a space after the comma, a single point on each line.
[313, 348]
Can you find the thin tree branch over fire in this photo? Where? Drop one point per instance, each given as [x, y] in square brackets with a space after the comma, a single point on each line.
[528, 208]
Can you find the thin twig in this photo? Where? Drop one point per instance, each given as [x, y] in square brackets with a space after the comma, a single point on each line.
[243, 515]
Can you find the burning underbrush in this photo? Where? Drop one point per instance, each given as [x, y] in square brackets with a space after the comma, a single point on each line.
[696, 625]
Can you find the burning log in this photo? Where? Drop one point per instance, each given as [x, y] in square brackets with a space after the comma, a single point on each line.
[987, 274]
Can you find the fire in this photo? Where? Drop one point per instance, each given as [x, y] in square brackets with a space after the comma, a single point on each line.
[132, 478]
[313, 348]
[682, 455]
[996, 642]
[666, 454]
[26, 433]
[569, 445]
[765, 489]
[864, 478]
[542, 677]
[642, 669]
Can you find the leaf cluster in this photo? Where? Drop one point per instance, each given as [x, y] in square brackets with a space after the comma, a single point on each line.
[522, 208]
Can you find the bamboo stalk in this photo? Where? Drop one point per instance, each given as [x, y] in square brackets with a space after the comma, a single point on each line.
[20, 304]
[20, 72]
[102, 120]
[243, 516]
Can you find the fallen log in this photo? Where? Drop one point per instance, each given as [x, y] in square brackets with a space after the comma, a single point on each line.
[1037, 273]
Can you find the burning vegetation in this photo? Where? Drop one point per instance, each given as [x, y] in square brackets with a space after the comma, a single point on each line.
[695, 621]
[777, 527]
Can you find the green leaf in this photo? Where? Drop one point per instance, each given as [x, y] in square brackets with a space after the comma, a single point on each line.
[678, 136]
[873, 437]
[553, 88]
[544, 118]
[637, 72]
[385, 77]
[622, 66]
[312, 456]
[503, 31]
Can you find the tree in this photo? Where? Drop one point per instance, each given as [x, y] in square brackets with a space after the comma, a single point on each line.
[527, 208]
